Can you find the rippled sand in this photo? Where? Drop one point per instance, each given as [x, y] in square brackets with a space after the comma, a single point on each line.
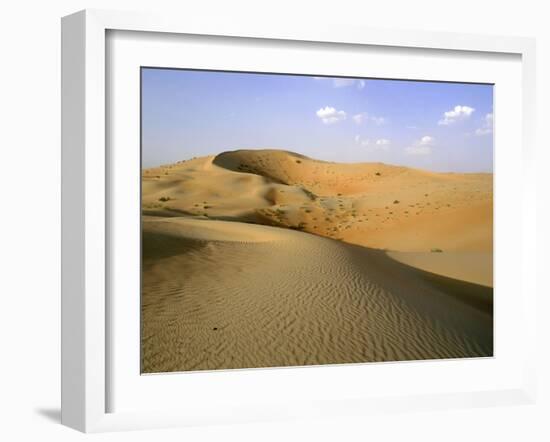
[225, 294]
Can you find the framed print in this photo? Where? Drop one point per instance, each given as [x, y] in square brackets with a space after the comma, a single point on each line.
[263, 223]
[345, 252]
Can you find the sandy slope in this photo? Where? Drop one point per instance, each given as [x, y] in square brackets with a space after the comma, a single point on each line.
[369, 204]
[475, 267]
[231, 295]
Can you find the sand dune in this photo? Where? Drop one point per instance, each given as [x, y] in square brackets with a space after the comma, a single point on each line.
[258, 258]
[370, 204]
[220, 294]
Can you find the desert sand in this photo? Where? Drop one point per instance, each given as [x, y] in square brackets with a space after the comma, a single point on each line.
[262, 258]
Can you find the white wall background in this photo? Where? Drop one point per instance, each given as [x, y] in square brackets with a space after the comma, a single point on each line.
[30, 216]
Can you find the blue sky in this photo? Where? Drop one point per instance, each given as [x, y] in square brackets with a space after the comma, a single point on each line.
[435, 126]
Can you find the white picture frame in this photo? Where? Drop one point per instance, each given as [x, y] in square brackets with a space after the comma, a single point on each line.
[86, 317]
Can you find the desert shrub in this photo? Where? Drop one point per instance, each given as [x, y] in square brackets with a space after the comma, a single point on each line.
[436, 251]
[164, 199]
[396, 201]
[378, 174]
[299, 161]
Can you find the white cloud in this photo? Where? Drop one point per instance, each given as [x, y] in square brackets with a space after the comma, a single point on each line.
[379, 121]
[426, 140]
[487, 127]
[380, 144]
[458, 113]
[423, 146]
[363, 117]
[360, 118]
[343, 82]
[329, 115]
